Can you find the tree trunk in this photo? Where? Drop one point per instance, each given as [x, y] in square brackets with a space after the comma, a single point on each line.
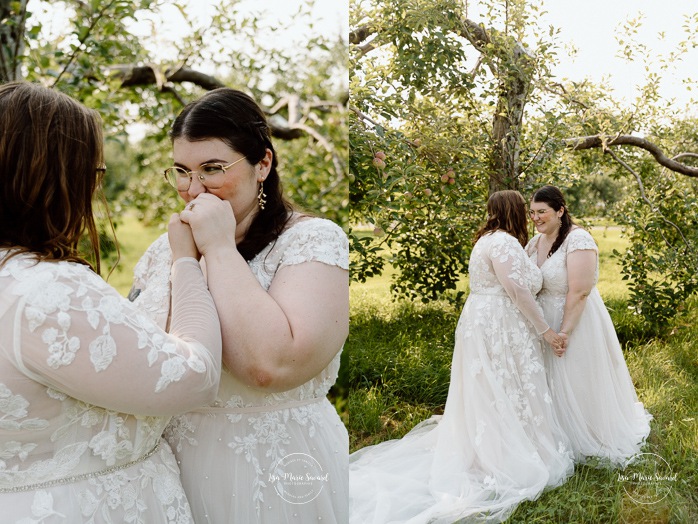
[13, 15]
[514, 85]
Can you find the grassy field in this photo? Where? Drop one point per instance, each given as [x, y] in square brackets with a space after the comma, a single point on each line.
[134, 239]
[397, 367]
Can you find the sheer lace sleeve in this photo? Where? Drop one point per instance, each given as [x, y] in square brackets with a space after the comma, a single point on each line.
[580, 239]
[512, 267]
[76, 334]
[315, 240]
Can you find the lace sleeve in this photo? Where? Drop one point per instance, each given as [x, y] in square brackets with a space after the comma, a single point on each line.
[512, 268]
[315, 240]
[76, 334]
[580, 239]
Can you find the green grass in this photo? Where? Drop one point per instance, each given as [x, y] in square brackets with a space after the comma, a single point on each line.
[134, 238]
[397, 367]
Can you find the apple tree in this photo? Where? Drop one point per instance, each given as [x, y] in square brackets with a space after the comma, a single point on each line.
[446, 109]
[113, 56]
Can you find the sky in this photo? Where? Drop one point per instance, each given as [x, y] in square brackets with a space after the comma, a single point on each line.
[330, 16]
[593, 26]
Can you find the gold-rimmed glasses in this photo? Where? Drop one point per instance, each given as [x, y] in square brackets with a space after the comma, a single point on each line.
[211, 175]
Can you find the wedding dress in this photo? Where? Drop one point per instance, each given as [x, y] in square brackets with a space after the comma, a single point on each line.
[87, 385]
[593, 393]
[497, 442]
[234, 454]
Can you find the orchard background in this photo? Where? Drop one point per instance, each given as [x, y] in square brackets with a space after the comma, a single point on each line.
[451, 100]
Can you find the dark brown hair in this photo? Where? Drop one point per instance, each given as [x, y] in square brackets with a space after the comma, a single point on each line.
[236, 119]
[50, 150]
[553, 197]
[506, 210]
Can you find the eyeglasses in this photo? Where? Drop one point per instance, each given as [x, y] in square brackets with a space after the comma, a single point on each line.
[537, 213]
[211, 175]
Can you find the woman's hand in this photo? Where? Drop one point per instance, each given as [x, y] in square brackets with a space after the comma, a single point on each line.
[560, 351]
[556, 341]
[181, 239]
[212, 222]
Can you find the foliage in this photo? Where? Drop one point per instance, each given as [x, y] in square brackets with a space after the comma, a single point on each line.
[429, 98]
[77, 59]
[306, 76]
[411, 192]
[88, 55]
[424, 193]
[660, 265]
[421, 135]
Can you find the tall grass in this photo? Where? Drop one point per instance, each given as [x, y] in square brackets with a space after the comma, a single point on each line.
[397, 369]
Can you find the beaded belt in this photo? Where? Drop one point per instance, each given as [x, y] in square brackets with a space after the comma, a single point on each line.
[82, 476]
[257, 409]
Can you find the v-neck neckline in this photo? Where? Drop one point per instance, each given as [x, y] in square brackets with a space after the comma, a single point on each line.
[538, 250]
[574, 228]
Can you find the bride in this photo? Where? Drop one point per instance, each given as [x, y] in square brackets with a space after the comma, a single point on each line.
[595, 399]
[497, 442]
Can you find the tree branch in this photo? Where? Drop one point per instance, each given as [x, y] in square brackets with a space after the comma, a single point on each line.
[360, 34]
[685, 155]
[475, 34]
[82, 41]
[604, 141]
[145, 75]
[562, 93]
[294, 122]
[363, 116]
[366, 48]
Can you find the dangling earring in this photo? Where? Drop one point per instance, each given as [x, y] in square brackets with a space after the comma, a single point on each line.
[260, 196]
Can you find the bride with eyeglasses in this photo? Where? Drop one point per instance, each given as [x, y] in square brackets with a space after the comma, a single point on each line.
[271, 448]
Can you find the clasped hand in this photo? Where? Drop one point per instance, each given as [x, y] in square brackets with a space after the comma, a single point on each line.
[205, 222]
[558, 341]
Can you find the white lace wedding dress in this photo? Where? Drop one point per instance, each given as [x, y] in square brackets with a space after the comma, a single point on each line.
[232, 453]
[69, 343]
[497, 443]
[593, 393]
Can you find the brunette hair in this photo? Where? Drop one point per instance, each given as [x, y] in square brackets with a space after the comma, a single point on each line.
[51, 157]
[236, 119]
[553, 197]
[506, 210]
